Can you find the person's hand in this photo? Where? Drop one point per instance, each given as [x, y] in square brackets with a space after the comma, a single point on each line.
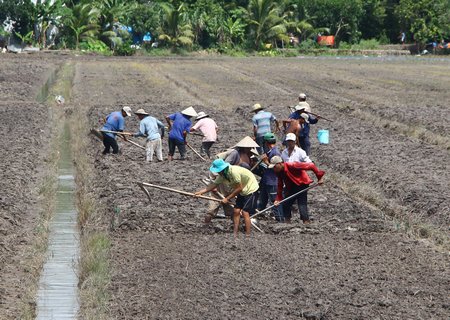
[225, 200]
[321, 181]
[198, 193]
[263, 157]
[276, 203]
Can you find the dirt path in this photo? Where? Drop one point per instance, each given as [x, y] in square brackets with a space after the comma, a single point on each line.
[350, 264]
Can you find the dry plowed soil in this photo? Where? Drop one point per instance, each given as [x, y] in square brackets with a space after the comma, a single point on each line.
[377, 247]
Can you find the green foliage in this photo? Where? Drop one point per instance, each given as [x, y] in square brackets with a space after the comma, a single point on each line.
[82, 21]
[308, 45]
[25, 39]
[175, 30]
[371, 44]
[266, 23]
[124, 49]
[94, 45]
[423, 18]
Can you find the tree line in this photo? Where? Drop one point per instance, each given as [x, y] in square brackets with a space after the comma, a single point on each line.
[226, 24]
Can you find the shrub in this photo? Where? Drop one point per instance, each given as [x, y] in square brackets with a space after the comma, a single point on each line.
[308, 44]
[94, 45]
[125, 49]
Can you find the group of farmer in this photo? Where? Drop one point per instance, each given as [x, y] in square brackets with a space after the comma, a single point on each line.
[284, 178]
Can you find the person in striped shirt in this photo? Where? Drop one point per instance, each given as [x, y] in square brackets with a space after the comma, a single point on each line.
[262, 124]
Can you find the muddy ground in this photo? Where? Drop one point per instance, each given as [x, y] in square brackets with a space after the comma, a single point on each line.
[353, 262]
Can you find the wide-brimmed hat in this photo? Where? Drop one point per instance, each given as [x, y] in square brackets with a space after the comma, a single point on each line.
[302, 96]
[218, 165]
[305, 117]
[127, 110]
[247, 142]
[190, 112]
[303, 106]
[274, 161]
[142, 112]
[257, 107]
[291, 137]
[201, 115]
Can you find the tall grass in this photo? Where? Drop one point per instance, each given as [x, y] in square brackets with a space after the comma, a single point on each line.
[94, 267]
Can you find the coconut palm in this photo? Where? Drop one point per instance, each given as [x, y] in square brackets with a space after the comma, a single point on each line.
[83, 22]
[266, 22]
[175, 31]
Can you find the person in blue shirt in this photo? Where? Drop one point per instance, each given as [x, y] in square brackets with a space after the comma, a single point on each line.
[115, 121]
[179, 126]
[150, 127]
[269, 181]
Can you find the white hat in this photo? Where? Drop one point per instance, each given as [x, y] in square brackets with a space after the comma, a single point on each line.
[141, 111]
[190, 112]
[303, 106]
[127, 110]
[257, 107]
[291, 137]
[305, 117]
[201, 115]
[302, 96]
[247, 142]
[274, 161]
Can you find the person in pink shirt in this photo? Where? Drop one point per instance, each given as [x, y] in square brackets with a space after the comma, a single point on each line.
[208, 128]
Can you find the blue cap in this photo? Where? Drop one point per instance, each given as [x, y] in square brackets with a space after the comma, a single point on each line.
[218, 165]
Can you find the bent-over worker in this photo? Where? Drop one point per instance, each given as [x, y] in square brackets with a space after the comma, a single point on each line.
[245, 187]
[294, 178]
[179, 126]
[115, 121]
[208, 128]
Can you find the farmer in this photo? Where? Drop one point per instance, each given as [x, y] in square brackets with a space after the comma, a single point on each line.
[245, 187]
[293, 153]
[294, 178]
[208, 128]
[179, 126]
[262, 121]
[269, 181]
[115, 121]
[151, 127]
[302, 102]
[241, 155]
[305, 119]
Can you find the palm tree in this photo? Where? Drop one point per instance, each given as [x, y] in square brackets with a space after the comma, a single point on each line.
[113, 11]
[47, 11]
[83, 22]
[174, 30]
[265, 22]
[233, 31]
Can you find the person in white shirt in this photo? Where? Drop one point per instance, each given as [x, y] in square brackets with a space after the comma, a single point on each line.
[293, 153]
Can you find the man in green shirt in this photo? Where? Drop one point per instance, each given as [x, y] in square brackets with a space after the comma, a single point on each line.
[245, 187]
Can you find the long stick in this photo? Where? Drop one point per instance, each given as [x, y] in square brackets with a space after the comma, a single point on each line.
[256, 164]
[196, 134]
[117, 132]
[195, 151]
[136, 144]
[292, 196]
[190, 194]
[311, 113]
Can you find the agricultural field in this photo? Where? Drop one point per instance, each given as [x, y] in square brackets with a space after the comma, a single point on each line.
[379, 245]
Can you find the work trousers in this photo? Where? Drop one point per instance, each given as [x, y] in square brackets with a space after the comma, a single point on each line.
[206, 145]
[180, 145]
[109, 143]
[302, 202]
[305, 144]
[152, 147]
[214, 206]
[262, 146]
[268, 193]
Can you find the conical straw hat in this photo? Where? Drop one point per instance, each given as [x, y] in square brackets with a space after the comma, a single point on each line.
[247, 142]
[303, 106]
[190, 112]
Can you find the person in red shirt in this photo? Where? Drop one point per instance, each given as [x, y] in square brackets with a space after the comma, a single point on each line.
[294, 178]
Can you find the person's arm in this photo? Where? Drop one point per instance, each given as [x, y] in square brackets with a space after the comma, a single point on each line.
[312, 119]
[285, 123]
[279, 196]
[310, 166]
[161, 127]
[169, 121]
[208, 188]
[277, 126]
[234, 193]
[141, 132]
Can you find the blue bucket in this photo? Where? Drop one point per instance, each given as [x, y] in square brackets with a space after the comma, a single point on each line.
[323, 136]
